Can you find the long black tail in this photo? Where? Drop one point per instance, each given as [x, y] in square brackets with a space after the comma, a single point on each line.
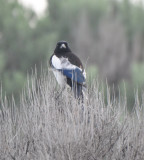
[78, 90]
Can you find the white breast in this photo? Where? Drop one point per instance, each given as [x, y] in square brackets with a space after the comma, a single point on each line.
[56, 62]
[59, 77]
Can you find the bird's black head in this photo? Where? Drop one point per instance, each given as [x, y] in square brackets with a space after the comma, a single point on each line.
[62, 47]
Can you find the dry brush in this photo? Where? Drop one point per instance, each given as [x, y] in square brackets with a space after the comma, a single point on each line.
[50, 126]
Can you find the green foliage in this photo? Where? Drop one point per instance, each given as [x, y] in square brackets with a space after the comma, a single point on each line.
[134, 86]
[92, 74]
[130, 88]
[26, 40]
[23, 44]
[138, 76]
[66, 14]
[12, 82]
[2, 61]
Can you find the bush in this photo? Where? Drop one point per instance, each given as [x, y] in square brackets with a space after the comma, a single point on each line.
[130, 87]
[53, 126]
[134, 85]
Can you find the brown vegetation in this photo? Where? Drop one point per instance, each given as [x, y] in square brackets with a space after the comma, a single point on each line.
[47, 126]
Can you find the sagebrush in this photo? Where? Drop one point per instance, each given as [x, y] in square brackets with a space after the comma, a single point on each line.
[48, 125]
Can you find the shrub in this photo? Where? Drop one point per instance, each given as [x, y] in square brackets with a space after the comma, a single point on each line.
[53, 126]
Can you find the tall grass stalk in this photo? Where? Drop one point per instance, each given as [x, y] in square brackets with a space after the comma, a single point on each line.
[50, 127]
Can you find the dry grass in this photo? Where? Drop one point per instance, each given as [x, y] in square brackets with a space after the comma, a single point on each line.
[51, 127]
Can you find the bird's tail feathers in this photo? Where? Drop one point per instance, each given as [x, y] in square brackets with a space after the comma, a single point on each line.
[79, 91]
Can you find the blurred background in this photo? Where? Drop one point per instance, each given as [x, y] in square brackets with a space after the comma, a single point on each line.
[108, 35]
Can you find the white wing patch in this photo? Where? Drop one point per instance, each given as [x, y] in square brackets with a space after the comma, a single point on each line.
[66, 64]
[62, 63]
[59, 77]
[56, 62]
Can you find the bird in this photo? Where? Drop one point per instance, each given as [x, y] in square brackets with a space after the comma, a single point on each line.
[68, 69]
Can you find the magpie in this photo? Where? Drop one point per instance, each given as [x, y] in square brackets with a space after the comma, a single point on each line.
[68, 69]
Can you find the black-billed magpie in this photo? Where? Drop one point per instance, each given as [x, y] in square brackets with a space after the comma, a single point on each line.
[68, 68]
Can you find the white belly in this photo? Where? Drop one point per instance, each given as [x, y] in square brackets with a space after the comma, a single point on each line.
[60, 78]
